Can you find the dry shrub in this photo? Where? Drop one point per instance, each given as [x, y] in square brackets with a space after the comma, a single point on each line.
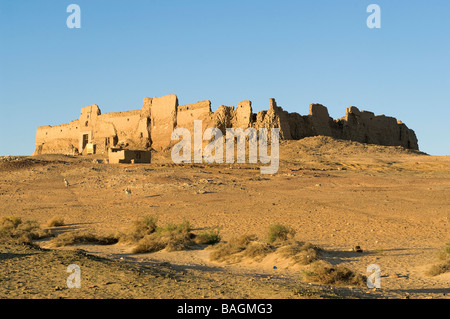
[82, 237]
[177, 241]
[441, 267]
[172, 237]
[301, 253]
[279, 233]
[184, 227]
[445, 253]
[257, 250]
[11, 222]
[227, 251]
[148, 244]
[325, 273]
[56, 222]
[208, 237]
[171, 241]
[140, 229]
[250, 246]
[13, 230]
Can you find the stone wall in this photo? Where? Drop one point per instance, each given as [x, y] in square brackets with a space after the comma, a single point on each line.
[163, 120]
[151, 127]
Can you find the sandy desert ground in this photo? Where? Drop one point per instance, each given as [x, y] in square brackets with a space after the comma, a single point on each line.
[393, 203]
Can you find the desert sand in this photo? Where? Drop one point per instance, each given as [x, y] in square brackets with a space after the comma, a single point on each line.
[393, 203]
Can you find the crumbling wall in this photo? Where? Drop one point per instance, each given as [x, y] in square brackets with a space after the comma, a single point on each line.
[275, 117]
[360, 126]
[366, 127]
[243, 114]
[152, 126]
[123, 126]
[59, 139]
[186, 114]
[163, 120]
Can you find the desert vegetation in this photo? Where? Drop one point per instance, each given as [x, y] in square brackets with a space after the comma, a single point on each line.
[140, 228]
[82, 237]
[172, 237]
[56, 221]
[208, 237]
[325, 273]
[443, 266]
[147, 236]
[14, 230]
[280, 233]
[144, 234]
[239, 247]
[280, 240]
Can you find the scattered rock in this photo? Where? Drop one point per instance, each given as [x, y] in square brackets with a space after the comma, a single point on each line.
[357, 249]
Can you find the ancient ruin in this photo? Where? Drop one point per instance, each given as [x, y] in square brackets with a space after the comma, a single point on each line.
[118, 155]
[151, 127]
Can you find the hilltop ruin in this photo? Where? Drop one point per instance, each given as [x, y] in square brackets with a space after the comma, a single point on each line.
[151, 127]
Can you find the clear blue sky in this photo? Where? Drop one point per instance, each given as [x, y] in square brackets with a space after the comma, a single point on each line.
[299, 52]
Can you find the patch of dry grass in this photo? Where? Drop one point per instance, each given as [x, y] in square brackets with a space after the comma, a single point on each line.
[172, 237]
[441, 267]
[257, 250]
[145, 235]
[208, 237]
[228, 251]
[445, 253]
[300, 252]
[184, 227]
[82, 237]
[249, 246]
[325, 273]
[280, 239]
[14, 230]
[279, 233]
[56, 221]
[149, 237]
[169, 240]
[141, 228]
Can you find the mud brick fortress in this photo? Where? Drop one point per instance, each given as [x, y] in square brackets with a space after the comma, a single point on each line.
[151, 127]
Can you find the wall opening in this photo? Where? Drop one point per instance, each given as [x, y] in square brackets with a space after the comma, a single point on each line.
[85, 141]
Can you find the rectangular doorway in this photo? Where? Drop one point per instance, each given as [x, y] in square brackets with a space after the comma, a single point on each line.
[85, 141]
